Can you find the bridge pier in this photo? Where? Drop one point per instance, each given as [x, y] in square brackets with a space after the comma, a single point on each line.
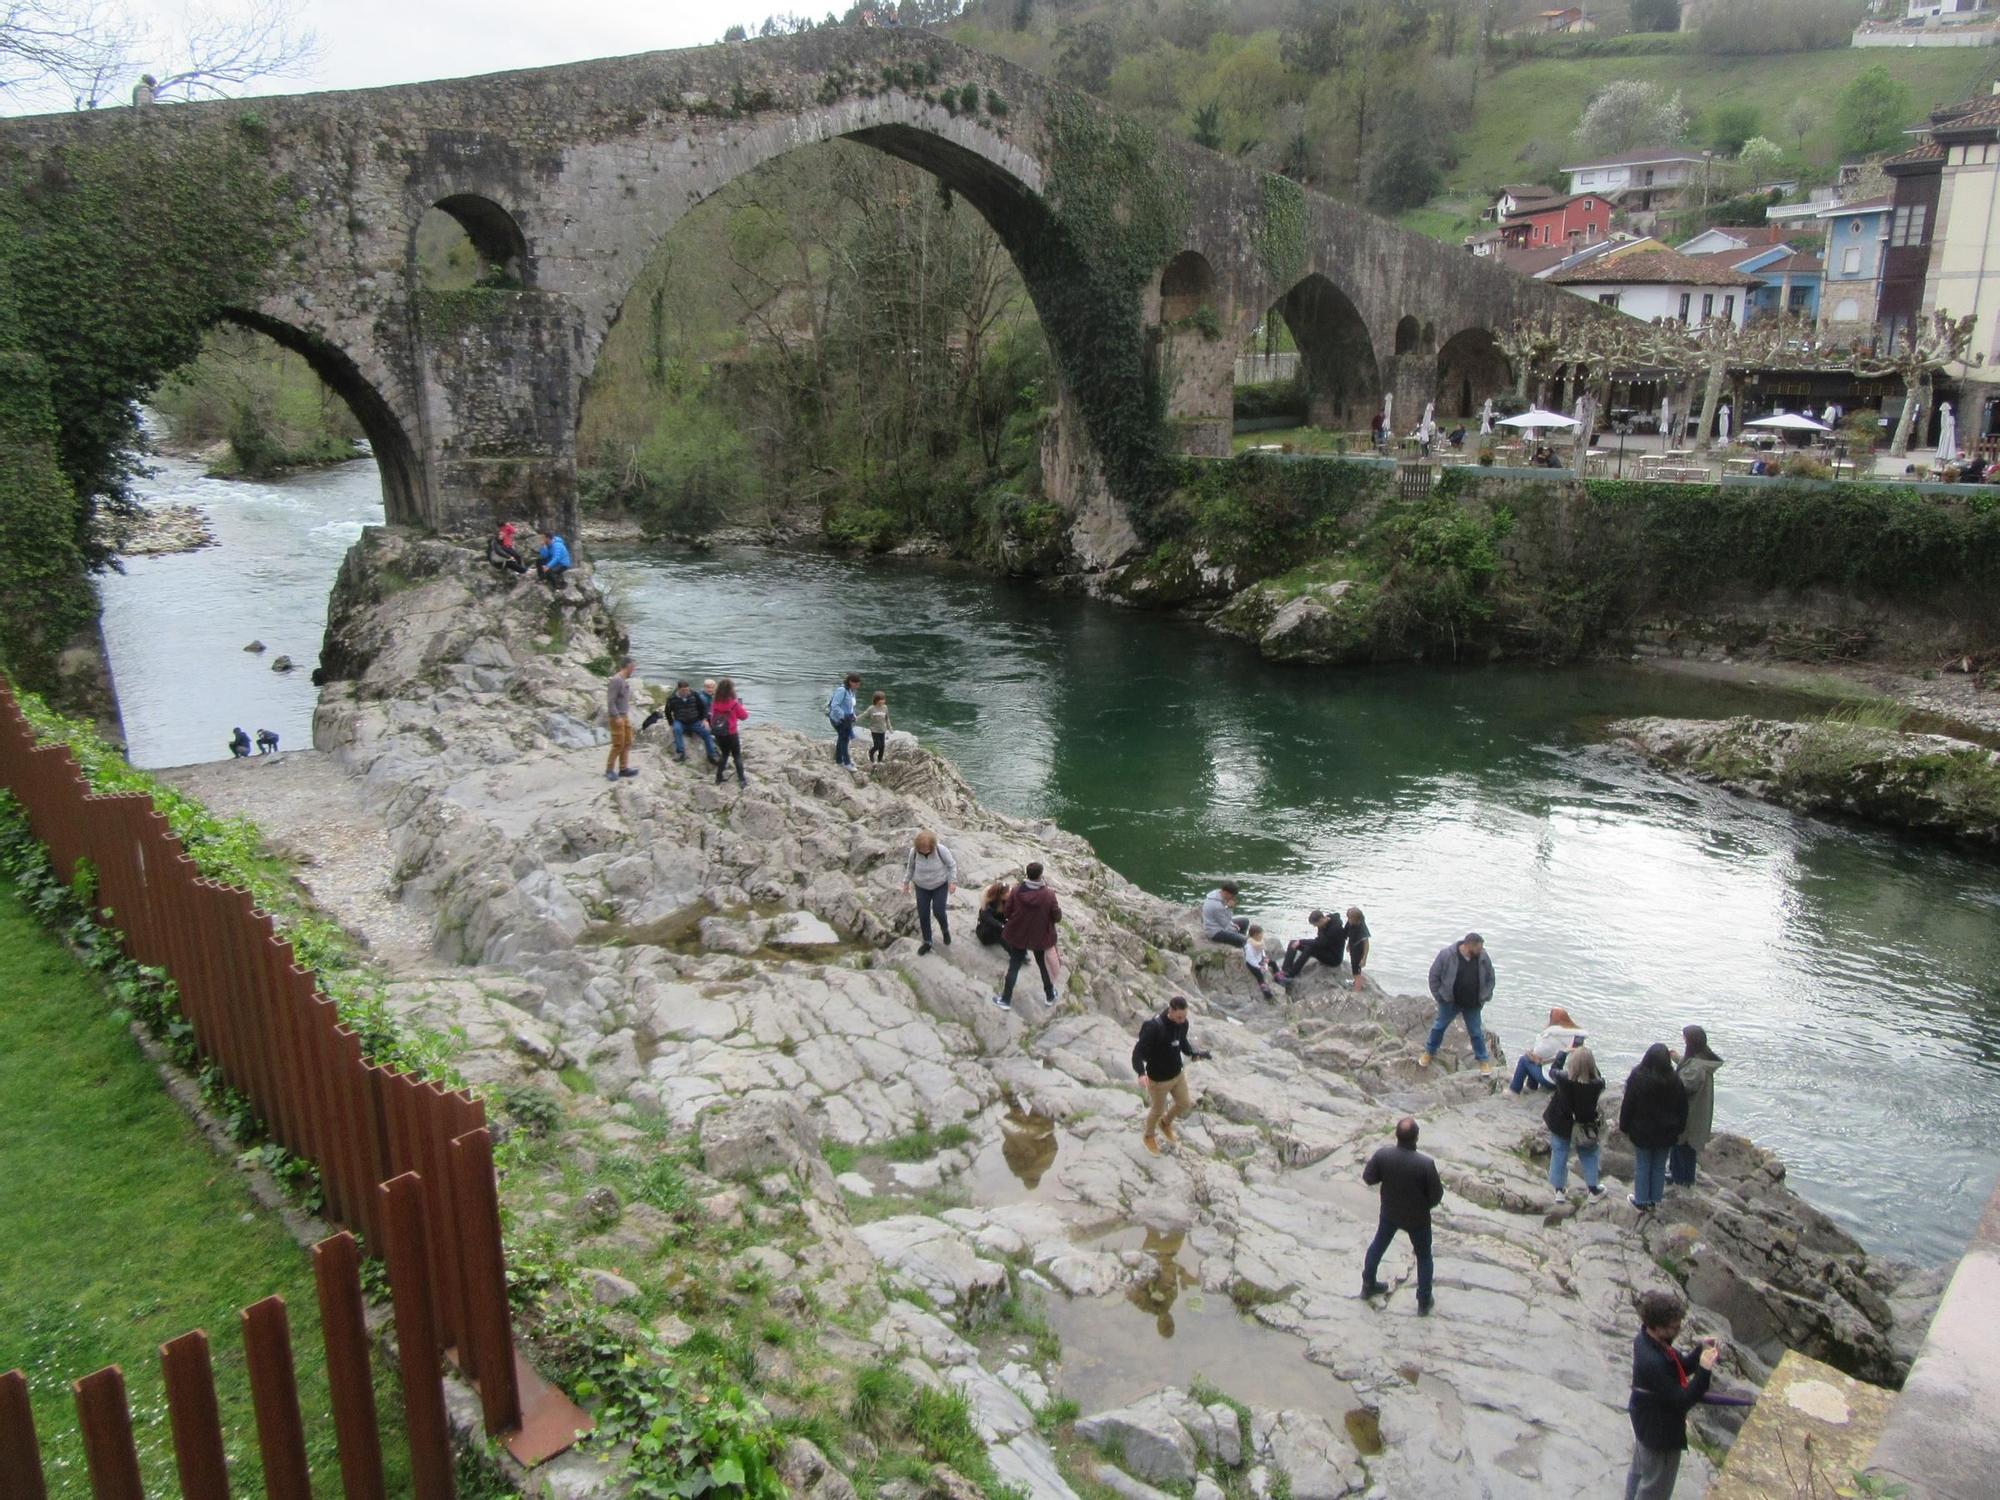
[498, 409]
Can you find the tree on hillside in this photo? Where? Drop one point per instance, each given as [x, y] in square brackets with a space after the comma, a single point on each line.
[1656, 15]
[1872, 112]
[1759, 160]
[1728, 126]
[1803, 117]
[1208, 126]
[1629, 114]
[1759, 27]
[1086, 54]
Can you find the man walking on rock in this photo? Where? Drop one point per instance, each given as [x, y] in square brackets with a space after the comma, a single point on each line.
[1032, 914]
[1461, 984]
[1157, 1060]
[1664, 1391]
[618, 714]
[1410, 1190]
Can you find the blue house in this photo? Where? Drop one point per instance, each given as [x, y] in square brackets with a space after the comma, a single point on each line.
[1788, 279]
[1856, 235]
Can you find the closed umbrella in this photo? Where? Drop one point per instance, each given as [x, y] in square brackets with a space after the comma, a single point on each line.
[1486, 418]
[1947, 448]
[1666, 416]
[1427, 429]
[1722, 422]
[1388, 424]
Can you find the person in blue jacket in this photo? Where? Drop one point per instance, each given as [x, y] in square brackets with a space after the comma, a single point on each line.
[553, 559]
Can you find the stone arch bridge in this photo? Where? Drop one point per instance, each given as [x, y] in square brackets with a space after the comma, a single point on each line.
[1149, 260]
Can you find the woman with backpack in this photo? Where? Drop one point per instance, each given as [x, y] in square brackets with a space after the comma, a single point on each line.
[1652, 1115]
[933, 874]
[726, 718]
[1575, 1127]
[1697, 1074]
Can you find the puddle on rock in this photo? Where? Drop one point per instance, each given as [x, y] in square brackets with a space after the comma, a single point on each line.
[1165, 1331]
[1011, 1168]
[1364, 1430]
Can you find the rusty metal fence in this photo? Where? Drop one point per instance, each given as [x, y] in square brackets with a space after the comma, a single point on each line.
[104, 1418]
[260, 1019]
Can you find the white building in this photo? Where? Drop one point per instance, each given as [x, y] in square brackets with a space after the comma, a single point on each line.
[1655, 284]
[1643, 182]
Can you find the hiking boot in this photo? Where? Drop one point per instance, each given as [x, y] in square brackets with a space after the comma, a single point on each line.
[1003, 1002]
[1167, 1130]
[922, 949]
[1597, 1192]
[1486, 1067]
[1153, 1145]
[1423, 1059]
[1373, 1289]
[1424, 1306]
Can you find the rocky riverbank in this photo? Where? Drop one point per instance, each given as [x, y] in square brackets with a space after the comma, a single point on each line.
[1918, 783]
[884, 1169]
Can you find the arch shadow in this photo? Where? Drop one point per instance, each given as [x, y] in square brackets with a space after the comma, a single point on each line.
[1409, 334]
[395, 455]
[1470, 368]
[494, 232]
[1187, 284]
[1336, 355]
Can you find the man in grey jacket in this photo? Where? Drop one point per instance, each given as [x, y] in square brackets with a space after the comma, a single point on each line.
[1461, 984]
[1217, 925]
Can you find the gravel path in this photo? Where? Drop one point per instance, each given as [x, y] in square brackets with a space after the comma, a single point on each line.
[322, 820]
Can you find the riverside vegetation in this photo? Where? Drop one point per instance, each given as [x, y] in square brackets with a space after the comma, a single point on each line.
[751, 1202]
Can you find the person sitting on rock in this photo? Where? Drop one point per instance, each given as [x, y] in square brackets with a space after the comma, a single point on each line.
[1258, 962]
[239, 744]
[501, 551]
[1157, 1060]
[1327, 942]
[1532, 1068]
[267, 742]
[686, 715]
[1217, 925]
[992, 915]
[553, 561]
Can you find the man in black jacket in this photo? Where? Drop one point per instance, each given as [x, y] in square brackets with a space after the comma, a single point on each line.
[1410, 1190]
[1163, 1042]
[1664, 1390]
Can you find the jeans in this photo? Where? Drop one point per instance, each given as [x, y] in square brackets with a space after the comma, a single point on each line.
[1653, 1472]
[699, 729]
[843, 737]
[1233, 934]
[1560, 1147]
[1680, 1165]
[727, 745]
[931, 899]
[1474, 1028]
[878, 744]
[1016, 957]
[1529, 1074]
[1420, 1241]
[1649, 1175]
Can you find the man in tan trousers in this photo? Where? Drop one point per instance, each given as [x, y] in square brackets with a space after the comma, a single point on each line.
[1157, 1060]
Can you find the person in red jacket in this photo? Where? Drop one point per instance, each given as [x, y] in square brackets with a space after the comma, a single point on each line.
[1032, 914]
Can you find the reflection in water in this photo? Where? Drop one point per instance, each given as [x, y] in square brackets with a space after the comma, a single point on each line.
[1364, 1429]
[1027, 1145]
[1157, 1292]
[1844, 974]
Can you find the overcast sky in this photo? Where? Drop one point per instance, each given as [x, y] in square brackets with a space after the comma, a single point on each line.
[369, 42]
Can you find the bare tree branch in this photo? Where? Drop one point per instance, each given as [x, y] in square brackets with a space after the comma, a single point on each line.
[219, 53]
[87, 53]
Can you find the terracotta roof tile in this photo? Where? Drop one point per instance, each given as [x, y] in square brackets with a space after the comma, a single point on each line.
[1929, 151]
[1665, 267]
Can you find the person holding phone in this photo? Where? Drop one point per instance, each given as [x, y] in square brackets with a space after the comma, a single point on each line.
[1667, 1383]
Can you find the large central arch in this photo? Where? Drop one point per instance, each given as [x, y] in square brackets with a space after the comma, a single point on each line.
[1336, 354]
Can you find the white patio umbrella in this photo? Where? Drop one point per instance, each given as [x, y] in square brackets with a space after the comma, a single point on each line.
[1427, 429]
[1486, 418]
[1947, 448]
[1789, 422]
[1536, 420]
[1388, 408]
[1666, 417]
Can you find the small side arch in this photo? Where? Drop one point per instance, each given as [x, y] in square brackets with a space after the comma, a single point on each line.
[1409, 334]
[395, 455]
[1186, 286]
[494, 233]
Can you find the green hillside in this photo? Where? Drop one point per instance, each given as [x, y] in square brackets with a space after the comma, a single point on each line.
[1537, 103]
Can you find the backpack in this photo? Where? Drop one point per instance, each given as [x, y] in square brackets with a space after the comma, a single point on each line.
[833, 718]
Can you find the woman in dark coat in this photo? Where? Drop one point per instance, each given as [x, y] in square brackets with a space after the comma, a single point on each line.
[1652, 1116]
[1574, 1123]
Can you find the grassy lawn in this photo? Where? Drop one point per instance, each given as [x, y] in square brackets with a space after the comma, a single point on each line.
[121, 1229]
[1305, 440]
[1539, 102]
